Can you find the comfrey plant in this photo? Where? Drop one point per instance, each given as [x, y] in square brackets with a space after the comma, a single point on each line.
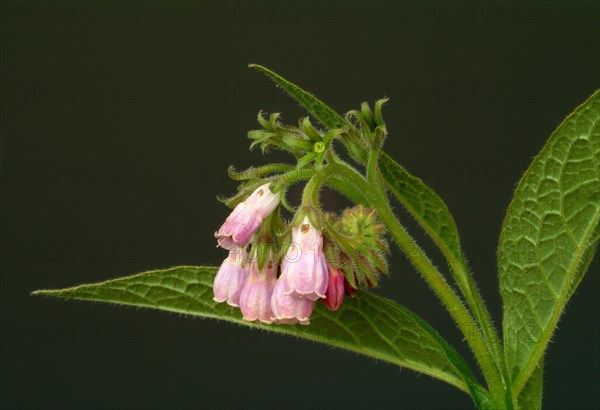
[289, 269]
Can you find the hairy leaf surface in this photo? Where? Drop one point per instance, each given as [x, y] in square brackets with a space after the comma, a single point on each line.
[549, 234]
[366, 324]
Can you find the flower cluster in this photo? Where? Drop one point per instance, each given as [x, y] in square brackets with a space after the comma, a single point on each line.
[261, 294]
[276, 269]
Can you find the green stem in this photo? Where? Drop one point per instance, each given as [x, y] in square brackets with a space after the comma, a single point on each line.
[434, 278]
[348, 190]
[483, 317]
[468, 289]
[283, 181]
[258, 172]
[310, 195]
[373, 172]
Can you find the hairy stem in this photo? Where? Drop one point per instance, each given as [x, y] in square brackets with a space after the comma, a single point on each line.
[433, 277]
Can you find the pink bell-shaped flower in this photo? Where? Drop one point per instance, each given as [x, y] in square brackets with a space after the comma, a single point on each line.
[230, 278]
[246, 218]
[289, 309]
[255, 298]
[304, 268]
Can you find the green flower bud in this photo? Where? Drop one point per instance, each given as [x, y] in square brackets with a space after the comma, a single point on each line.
[358, 245]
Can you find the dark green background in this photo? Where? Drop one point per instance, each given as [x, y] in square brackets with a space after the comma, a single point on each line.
[118, 122]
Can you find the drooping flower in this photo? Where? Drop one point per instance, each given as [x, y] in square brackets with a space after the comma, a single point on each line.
[230, 278]
[335, 289]
[255, 298]
[246, 218]
[290, 309]
[304, 268]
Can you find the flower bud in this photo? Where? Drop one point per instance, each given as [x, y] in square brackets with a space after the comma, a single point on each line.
[335, 289]
[361, 242]
[350, 290]
[230, 278]
[246, 218]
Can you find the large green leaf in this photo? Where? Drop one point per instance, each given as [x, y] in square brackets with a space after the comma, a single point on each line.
[531, 395]
[550, 232]
[366, 324]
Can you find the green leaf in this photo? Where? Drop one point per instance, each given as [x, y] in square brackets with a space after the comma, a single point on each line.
[321, 111]
[366, 324]
[429, 210]
[433, 216]
[348, 190]
[531, 395]
[550, 232]
[586, 260]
